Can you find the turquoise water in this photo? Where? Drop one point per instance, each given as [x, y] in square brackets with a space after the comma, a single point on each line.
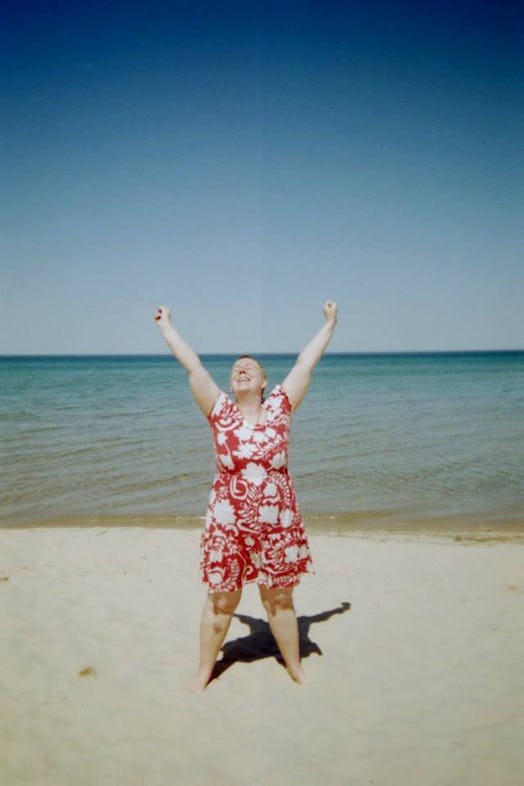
[406, 436]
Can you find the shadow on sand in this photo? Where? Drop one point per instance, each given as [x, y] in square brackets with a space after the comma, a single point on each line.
[260, 643]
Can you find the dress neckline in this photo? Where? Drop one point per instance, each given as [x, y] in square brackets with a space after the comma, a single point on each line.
[248, 422]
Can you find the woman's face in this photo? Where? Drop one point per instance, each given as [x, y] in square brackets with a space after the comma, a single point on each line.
[247, 376]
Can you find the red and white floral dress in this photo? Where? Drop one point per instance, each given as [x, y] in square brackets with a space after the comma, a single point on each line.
[253, 529]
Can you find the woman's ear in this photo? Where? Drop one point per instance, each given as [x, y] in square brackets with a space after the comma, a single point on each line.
[262, 397]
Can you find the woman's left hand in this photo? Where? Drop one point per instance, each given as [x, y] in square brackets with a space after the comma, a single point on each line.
[330, 311]
[163, 316]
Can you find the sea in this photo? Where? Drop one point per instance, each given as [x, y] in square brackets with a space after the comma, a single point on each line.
[380, 440]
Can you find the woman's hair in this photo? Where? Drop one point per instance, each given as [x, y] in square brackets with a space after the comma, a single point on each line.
[259, 364]
[261, 367]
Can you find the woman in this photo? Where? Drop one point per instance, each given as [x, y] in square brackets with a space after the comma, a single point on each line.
[253, 529]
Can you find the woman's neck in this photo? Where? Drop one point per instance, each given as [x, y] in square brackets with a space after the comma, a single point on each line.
[252, 409]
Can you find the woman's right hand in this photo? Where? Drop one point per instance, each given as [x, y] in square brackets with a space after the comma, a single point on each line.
[163, 316]
[330, 311]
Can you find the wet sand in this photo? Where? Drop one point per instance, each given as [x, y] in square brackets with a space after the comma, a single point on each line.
[412, 643]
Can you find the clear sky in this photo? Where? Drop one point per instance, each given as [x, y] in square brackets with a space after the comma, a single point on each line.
[245, 161]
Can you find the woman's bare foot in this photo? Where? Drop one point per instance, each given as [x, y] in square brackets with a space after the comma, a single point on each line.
[200, 682]
[297, 674]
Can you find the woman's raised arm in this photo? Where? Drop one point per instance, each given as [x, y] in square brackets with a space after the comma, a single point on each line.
[203, 386]
[297, 381]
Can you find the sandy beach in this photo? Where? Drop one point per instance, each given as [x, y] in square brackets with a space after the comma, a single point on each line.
[412, 643]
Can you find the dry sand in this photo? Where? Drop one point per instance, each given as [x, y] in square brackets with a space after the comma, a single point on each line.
[418, 682]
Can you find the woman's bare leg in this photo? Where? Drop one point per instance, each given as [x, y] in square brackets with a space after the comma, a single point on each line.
[214, 624]
[278, 602]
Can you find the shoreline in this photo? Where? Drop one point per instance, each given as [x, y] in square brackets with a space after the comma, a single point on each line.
[467, 528]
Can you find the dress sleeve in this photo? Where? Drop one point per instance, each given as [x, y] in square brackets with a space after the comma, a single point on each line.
[278, 401]
[221, 403]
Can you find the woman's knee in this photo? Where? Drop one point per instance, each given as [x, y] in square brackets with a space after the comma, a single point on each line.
[224, 602]
[276, 599]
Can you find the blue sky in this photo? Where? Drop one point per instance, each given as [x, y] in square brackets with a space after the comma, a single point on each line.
[244, 161]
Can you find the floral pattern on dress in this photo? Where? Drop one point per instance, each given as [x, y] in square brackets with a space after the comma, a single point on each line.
[253, 529]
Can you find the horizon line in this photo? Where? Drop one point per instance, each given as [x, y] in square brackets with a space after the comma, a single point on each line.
[265, 354]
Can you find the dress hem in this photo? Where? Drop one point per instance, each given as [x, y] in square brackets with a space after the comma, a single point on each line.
[261, 583]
